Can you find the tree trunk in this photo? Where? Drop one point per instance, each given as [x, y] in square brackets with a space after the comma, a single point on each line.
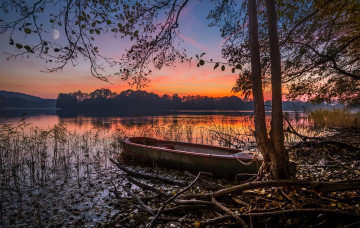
[261, 136]
[279, 159]
[276, 159]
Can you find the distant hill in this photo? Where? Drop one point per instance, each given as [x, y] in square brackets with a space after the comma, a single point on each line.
[20, 100]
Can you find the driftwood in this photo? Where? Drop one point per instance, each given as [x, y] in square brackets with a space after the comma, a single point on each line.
[147, 175]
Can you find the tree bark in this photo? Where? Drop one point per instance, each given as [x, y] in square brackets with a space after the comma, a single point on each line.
[261, 136]
[279, 159]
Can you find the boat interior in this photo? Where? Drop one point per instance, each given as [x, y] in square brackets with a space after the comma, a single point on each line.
[196, 148]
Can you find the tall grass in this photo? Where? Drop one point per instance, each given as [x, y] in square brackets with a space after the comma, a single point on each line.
[335, 118]
[32, 159]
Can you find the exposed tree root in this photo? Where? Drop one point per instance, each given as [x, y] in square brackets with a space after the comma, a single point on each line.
[244, 204]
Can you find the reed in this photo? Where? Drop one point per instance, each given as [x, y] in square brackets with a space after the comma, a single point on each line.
[335, 118]
[32, 159]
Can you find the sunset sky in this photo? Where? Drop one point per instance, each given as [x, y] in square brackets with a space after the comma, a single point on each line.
[25, 74]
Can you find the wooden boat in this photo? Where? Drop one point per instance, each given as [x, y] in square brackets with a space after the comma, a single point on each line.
[220, 161]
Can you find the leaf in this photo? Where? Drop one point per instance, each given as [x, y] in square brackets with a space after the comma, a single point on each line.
[81, 18]
[197, 224]
[222, 67]
[56, 49]
[45, 43]
[233, 70]
[238, 66]
[97, 31]
[216, 65]
[108, 22]
[91, 31]
[202, 62]
[19, 46]
[27, 47]
[27, 30]
[11, 42]
[202, 54]
[51, 20]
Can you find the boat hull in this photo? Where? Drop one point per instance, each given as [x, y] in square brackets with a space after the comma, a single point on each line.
[145, 151]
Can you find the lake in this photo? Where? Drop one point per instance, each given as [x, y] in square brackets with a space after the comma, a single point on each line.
[188, 125]
[61, 162]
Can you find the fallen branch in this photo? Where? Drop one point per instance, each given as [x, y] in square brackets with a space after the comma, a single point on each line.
[283, 212]
[228, 211]
[185, 208]
[153, 222]
[144, 186]
[316, 186]
[214, 220]
[148, 209]
[240, 202]
[193, 202]
[304, 211]
[210, 185]
[147, 175]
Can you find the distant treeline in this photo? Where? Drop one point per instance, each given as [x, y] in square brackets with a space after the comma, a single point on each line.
[141, 100]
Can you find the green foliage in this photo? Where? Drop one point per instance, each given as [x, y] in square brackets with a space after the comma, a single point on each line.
[27, 30]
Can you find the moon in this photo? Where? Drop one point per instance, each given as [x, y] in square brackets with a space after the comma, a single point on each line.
[56, 34]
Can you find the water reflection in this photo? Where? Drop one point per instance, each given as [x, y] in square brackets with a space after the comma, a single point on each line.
[191, 127]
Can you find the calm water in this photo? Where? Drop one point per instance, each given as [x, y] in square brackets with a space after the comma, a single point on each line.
[192, 126]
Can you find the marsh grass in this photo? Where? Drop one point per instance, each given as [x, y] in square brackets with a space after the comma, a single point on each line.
[34, 159]
[335, 118]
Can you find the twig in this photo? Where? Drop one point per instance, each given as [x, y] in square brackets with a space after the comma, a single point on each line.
[185, 208]
[146, 175]
[228, 211]
[116, 193]
[153, 222]
[210, 185]
[289, 198]
[193, 202]
[214, 220]
[240, 202]
[144, 186]
[148, 209]
[304, 211]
